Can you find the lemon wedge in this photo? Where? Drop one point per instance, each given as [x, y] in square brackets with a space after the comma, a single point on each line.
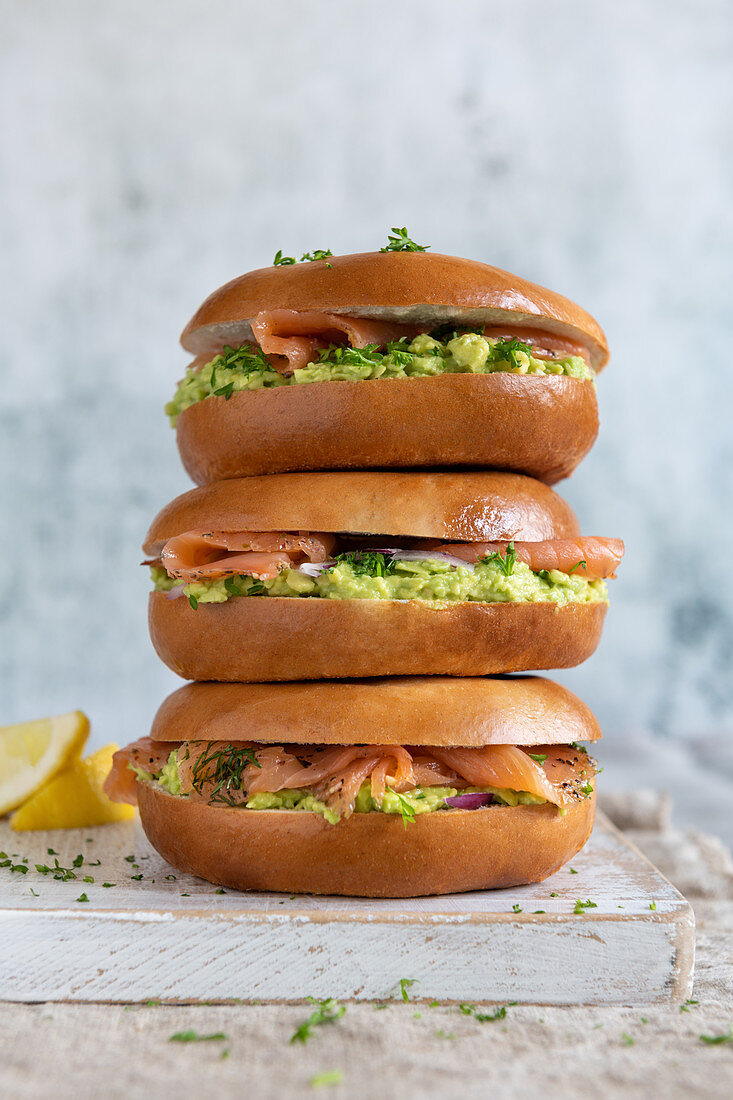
[31, 753]
[75, 798]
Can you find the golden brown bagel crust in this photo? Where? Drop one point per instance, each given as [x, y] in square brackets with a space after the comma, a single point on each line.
[370, 855]
[541, 426]
[268, 638]
[465, 506]
[423, 288]
[406, 710]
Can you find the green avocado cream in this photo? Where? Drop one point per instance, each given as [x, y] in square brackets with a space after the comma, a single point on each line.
[246, 367]
[421, 800]
[436, 581]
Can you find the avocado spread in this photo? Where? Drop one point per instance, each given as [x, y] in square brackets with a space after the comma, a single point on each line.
[247, 368]
[436, 581]
[420, 800]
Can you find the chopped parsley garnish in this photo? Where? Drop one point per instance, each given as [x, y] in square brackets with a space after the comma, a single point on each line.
[627, 1039]
[581, 906]
[510, 349]
[652, 905]
[505, 563]
[689, 1003]
[578, 748]
[192, 1036]
[399, 241]
[327, 1012]
[82, 897]
[516, 908]
[587, 789]
[405, 984]
[316, 254]
[540, 757]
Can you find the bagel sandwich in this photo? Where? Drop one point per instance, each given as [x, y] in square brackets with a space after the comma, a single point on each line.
[386, 359]
[329, 575]
[384, 788]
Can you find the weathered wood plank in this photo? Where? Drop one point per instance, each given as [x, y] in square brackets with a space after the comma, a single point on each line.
[176, 938]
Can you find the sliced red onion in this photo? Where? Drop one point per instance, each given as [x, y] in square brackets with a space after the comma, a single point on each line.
[314, 568]
[433, 555]
[472, 801]
[175, 592]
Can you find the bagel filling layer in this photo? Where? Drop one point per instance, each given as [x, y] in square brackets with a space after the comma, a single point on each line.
[294, 348]
[216, 566]
[336, 781]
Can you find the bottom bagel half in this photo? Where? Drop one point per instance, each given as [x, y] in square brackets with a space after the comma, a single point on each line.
[370, 855]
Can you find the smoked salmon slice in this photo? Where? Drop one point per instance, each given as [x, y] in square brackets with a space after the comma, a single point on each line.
[121, 783]
[298, 336]
[590, 557]
[212, 554]
[335, 773]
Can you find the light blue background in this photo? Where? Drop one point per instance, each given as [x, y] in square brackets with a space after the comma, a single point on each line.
[152, 151]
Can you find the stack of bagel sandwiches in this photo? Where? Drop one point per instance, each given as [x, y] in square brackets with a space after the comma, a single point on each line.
[372, 548]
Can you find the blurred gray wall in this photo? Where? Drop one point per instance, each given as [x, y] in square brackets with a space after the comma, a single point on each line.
[151, 151]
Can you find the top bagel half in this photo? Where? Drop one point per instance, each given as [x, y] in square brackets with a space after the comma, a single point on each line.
[485, 369]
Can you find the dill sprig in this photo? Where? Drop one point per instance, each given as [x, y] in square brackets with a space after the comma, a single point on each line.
[505, 563]
[368, 563]
[225, 769]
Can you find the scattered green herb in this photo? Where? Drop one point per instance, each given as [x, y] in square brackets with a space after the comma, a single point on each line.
[406, 810]
[716, 1040]
[329, 1077]
[445, 1034]
[688, 1005]
[580, 906]
[505, 563]
[193, 602]
[327, 1012]
[627, 1039]
[88, 878]
[192, 1036]
[283, 261]
[511, 349]
[516, 908]
[652, 905]
[540, 757]
[399, 241]
[82, 897]
[405, 984]
[484, 1017]
[368, 563]
[578, 565]
[573, 871]
[224, 767]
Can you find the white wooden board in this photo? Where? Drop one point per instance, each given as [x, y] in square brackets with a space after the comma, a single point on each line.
[173, 937]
